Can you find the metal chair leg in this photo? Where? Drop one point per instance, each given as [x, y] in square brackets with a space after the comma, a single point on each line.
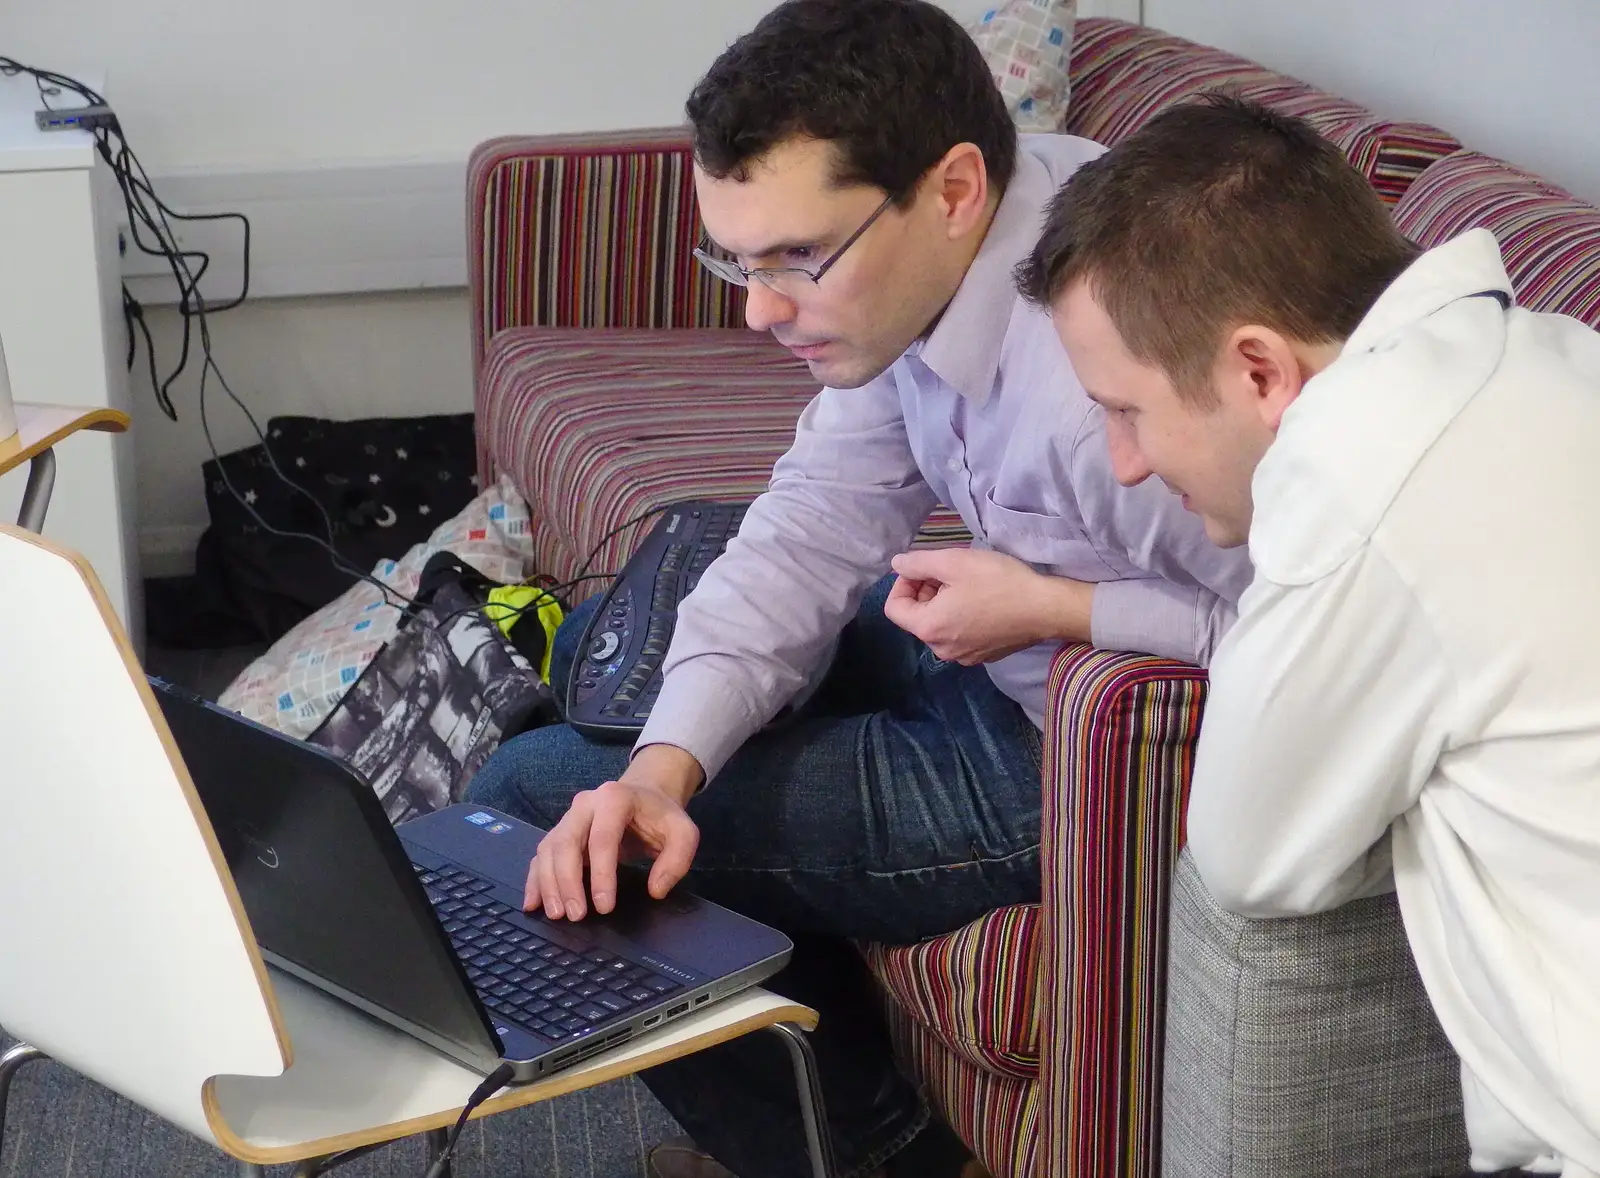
[36, 496]
[251, 1170]
[819, 1140]
[10, 1064]
[436, 1139]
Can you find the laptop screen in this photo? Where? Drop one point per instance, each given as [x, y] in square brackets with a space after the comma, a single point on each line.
[322, 875]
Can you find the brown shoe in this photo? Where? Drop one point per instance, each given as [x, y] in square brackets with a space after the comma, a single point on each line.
[679, 1157]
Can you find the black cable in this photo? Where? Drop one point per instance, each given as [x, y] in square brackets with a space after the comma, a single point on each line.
[148, 212]
[546, 595]
[614, 532]
[497, 1080]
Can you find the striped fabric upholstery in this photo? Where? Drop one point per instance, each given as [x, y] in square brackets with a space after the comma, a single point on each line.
[996, 1115]
[1123, 74]
[1550, 240]
[1072, 991]
[1119, 746]
[596, 425]
[592, 230]
[975, 990]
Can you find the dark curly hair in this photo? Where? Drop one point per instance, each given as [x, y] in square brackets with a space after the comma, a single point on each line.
[894, 84]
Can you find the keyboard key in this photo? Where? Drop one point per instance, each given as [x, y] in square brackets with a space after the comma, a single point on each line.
[519, 977]
[484, 960]
[593, 1013]
[502, 950]
[501, 968]
[615, 1003]
[537, 1006]
[569, 1002]
[660, 985]
[587, 990]
[552, 993]
[566, 959]
[503, 990]
[638, 994]
[452, 927]
[520, 957]
[598, 957]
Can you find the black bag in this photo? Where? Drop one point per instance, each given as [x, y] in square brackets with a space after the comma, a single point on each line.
[439, 697]
[385, 484]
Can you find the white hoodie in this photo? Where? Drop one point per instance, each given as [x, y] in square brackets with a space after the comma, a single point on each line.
[1421, 648]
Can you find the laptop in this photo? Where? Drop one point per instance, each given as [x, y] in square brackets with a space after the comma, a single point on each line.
[421, 926]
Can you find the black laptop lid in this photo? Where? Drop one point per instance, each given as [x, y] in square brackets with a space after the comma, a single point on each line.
[323, 877]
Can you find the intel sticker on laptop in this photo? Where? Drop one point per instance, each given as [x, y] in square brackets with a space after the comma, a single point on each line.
[498, 828]
[480, 818]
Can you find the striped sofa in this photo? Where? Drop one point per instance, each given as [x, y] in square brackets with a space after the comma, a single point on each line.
[1124, 1026]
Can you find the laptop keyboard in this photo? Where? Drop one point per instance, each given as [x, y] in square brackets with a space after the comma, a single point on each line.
[525, 980]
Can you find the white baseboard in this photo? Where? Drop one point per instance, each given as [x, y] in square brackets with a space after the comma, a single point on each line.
[339, 229]
[168, 551]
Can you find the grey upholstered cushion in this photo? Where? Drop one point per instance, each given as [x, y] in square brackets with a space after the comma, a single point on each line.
[1302, 1048]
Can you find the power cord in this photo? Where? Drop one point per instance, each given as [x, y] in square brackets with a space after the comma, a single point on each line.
[148, 214]
[614, 533]
[497, 1080]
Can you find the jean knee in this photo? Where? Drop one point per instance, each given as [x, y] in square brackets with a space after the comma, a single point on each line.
[535, 776]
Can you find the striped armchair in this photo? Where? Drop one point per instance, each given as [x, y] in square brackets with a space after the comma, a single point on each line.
[1125, 1026]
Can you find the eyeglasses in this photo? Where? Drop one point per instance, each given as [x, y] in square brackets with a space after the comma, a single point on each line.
[781, 278]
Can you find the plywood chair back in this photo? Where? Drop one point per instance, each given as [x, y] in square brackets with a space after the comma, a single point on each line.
[124, 950]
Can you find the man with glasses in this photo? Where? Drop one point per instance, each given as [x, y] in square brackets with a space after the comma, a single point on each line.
[858, 172]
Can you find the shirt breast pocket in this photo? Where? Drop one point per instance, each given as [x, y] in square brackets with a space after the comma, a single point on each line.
[1051, 543]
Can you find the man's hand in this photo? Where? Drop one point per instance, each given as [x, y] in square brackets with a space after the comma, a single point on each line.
[642, 812]
[974, 606]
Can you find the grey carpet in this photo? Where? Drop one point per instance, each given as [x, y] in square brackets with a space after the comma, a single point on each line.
[60, 1125]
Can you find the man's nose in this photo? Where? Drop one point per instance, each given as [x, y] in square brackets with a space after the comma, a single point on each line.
[1128, 464]
[765, 308]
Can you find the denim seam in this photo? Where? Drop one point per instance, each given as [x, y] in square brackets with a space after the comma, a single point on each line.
[982, 861]
[879, 1156]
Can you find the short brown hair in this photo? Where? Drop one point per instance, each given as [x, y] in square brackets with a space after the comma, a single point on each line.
[1213, 215]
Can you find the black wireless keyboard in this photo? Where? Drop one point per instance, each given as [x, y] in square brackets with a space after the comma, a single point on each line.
[617, 675]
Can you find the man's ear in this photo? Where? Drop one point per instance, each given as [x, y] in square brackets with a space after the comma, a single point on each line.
[1261, 369]
[960, 183]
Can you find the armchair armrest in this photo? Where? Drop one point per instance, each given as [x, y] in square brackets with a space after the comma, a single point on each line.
[1119, 746]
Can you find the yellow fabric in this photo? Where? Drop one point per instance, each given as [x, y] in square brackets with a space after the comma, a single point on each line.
[518, 600]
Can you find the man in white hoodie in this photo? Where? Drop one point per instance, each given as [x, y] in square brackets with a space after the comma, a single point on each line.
[1415, 669]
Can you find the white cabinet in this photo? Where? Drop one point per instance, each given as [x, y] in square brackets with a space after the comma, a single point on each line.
[61, 320]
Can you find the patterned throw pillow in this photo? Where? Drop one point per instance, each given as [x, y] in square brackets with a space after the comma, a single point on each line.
[307, 671]
[1028, 45]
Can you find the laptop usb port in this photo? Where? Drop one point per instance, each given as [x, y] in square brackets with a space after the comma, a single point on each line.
[702, 1000]
[675, 1011]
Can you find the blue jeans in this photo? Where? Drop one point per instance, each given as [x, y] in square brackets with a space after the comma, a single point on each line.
[900, 803]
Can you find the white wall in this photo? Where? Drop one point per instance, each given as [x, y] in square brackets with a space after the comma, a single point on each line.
[397, 355]
[220, 84]
[215, 88]
[1514, 80]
